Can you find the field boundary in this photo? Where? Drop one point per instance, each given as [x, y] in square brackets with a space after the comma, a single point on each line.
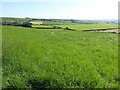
[111, 30]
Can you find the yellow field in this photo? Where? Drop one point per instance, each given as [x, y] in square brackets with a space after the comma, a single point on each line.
[36, 22]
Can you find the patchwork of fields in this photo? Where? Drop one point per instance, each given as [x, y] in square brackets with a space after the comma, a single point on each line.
[79, 27]
[91, 26]
[52, 58]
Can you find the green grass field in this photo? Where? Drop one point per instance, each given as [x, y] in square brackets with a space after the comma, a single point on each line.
[79, 26]
[90, 26]
[42, 27]
[58, 58]
[57, 22]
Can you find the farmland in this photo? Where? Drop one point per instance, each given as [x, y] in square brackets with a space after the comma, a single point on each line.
[50, 23]
[80, 27]
[57, 58]
[90, 26]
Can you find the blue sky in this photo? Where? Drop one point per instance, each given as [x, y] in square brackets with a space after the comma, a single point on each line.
[69, 9]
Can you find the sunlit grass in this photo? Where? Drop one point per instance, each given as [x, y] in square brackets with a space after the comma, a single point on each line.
[90, 26]
[57, 58]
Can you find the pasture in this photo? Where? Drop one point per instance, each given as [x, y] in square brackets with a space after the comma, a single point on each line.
[49, 58]
[80, 27]
[90, 26]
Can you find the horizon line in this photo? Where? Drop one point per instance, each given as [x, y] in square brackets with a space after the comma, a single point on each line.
[52, 18]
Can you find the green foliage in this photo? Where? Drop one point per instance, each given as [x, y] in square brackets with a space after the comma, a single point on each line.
[35, 58]
[17, 22]
[26, 24]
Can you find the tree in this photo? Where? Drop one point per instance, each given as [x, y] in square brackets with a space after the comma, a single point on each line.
[27, 24]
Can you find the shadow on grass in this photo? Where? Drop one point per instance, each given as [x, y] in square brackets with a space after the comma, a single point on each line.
[46, 83]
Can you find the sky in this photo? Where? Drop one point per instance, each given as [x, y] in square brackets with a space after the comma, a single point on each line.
[61, 9]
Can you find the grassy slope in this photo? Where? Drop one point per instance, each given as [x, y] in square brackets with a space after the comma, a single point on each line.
[51, 58]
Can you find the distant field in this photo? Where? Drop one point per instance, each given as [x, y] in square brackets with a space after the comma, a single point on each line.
[42, 27]
[36, 22]
[90, 26]
[58, 58]
[50, 22]
[57, 22]
[5, 19]
[80, 26]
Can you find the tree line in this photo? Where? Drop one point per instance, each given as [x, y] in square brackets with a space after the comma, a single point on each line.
[16, 22]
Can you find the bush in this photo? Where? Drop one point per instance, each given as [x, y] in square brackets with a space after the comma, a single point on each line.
[56, 27]
[27, 24]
